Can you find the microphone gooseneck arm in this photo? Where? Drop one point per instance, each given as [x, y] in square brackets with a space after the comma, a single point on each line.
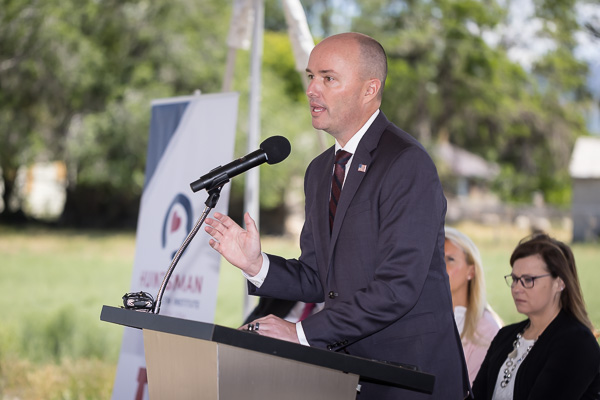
[214, 193]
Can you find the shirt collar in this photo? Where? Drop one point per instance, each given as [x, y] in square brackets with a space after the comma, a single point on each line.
[352, 144]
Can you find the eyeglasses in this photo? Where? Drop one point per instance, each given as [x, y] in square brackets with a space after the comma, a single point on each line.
[526, 280]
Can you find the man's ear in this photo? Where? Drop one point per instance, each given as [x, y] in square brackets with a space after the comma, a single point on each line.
[373, 86]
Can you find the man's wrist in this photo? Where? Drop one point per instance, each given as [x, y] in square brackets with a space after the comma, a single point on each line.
[258, 279]
[301, 336]
[255, 266]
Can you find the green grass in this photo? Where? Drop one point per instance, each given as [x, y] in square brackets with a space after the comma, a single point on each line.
[54, 284]
[52, 342]
[63, 277]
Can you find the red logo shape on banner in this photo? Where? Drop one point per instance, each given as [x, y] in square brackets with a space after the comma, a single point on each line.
[175, 222]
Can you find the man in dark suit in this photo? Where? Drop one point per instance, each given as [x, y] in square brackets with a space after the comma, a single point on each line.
[374, 252]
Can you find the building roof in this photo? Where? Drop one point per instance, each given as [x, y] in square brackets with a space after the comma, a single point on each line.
[585, 160]
[464, 163]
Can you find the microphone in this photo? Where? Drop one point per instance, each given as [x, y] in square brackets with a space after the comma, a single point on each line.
[273, 150]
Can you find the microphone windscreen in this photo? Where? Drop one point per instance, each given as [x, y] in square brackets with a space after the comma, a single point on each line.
[277, 149]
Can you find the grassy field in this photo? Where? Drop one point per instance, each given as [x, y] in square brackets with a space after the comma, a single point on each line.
[54, 346]
[52, 342]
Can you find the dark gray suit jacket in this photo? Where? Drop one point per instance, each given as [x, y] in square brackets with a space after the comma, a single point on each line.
[381, 272]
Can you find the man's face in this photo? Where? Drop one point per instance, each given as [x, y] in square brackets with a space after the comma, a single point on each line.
[335, 90]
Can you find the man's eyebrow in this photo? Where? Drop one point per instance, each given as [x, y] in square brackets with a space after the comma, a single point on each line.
[323, 71]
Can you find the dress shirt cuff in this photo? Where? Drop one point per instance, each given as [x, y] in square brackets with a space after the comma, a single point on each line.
[301, 335]
[258, 279]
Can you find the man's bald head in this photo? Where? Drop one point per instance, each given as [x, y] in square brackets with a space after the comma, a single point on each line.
[372, 57]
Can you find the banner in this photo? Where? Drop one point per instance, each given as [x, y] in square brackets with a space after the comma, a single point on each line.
[189, 136]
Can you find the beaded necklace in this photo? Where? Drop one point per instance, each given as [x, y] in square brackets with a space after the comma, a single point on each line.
[511, 364]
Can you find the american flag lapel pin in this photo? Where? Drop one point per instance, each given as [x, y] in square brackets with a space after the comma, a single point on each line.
[362, 168]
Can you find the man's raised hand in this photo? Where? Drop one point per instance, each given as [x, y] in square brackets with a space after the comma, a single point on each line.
[241, 247]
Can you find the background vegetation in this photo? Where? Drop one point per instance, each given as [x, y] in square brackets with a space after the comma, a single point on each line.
[76, 81]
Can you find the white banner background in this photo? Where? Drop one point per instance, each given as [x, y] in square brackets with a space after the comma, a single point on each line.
[204, 139]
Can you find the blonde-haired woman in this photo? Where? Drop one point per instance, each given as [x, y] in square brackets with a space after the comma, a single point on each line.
[476, 321]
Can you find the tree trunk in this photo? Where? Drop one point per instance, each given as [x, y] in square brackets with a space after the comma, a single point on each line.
[8, 216]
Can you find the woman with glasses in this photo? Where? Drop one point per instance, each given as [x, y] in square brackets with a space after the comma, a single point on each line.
[554, 353]
[477, 323]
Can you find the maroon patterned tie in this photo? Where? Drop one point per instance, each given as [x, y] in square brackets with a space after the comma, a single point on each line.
[308, 308]
[339, 172]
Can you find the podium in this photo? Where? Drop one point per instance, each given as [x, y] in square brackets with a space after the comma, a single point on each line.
[196, 360]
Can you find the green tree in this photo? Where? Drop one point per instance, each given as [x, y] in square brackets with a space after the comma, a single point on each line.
[446, 82]
[175, 49]
[76, 80]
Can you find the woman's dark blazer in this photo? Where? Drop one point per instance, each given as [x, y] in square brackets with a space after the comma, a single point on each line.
[563, 364]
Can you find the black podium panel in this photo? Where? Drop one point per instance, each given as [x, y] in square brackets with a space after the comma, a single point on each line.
[369, 370]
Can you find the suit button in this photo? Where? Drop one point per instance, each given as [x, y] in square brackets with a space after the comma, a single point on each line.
[332, 295]
[329, 347]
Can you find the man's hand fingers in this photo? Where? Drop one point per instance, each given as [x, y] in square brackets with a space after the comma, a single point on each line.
[214, 244]
[250, 224]
[225, 220]
[213, 232]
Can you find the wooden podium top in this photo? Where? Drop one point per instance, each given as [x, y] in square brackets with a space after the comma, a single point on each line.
[370, 370]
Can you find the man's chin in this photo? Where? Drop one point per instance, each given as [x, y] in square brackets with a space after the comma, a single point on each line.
[317, 125]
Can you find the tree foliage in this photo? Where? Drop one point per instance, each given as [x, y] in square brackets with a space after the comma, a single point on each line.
[76, 81]
[446, 82]
[77, 78]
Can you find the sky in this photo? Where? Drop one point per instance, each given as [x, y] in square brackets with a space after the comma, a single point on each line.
[523, 31]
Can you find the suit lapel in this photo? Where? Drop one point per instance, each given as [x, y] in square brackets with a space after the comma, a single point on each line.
[322, 237]
[363, 156]
[351, 185]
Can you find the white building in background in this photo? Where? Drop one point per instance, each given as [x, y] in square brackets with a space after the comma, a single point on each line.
[40, 190]
[466, 178]
[585, 174]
